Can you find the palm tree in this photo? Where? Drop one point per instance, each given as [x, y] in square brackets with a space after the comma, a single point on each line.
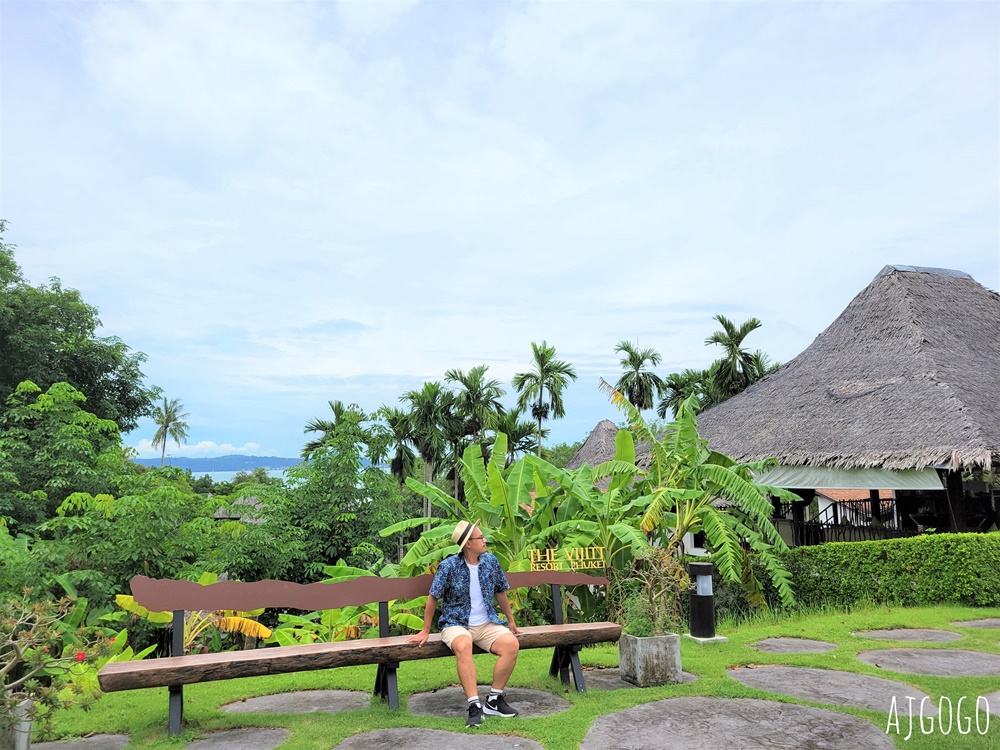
[637, 383]
[403, 458]
[520, 435]
[477, 400]
[169, 424]
[325, 427]
[736, 367]
[550, 374]
[429, 409]
[678, 387]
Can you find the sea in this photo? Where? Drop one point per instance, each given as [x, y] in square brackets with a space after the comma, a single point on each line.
[227, 476]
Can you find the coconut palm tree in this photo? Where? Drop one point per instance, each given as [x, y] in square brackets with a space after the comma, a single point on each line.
[170, 424]
[638, 383]
[736, 368]
[477, 400]
[549, 374]
[325, 427]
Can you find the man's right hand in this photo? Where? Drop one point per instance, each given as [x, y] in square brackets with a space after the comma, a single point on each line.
[420, 638]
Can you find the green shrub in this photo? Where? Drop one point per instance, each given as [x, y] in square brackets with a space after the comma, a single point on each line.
[922, 570]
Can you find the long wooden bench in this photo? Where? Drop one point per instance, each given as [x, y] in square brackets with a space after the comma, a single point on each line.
[387, 652]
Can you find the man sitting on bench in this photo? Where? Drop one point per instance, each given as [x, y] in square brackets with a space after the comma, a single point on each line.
[466, 584]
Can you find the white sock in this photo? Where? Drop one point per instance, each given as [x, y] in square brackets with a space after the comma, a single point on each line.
[494, 694]
[474, 700]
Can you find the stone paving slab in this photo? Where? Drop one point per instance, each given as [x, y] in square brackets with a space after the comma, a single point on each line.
[610, 678]
[831, 686]
[911, 634]
[303, 702]
[435, 739]
[794, 646]
[95, 742]
[241, 739]
[941, 662]
[743, 723]
[989, 622]
[451, 703]
[994, 700]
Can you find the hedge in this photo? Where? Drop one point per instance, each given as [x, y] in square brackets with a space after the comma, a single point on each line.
[921, 570]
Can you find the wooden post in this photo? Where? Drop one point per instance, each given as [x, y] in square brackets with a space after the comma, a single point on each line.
[876, 506]
[955, 494]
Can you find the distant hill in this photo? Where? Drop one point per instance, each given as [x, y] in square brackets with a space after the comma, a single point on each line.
[224, 463]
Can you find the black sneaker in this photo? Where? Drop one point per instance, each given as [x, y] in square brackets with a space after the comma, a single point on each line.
[475, 716]
[497, 706]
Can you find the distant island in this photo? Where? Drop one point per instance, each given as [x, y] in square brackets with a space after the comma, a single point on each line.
[223, 463]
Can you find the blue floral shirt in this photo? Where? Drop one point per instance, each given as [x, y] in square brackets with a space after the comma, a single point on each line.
[451, 588]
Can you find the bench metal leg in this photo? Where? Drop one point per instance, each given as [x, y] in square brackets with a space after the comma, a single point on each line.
[176, 715]
[565, 658]
[386, 687]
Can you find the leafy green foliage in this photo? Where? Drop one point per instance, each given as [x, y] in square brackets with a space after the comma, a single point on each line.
[930, 569]
[339, 504]
[170, 425]
[691, 488]
[542, 387]
[639, 384]
[48, 335]
[51, 447]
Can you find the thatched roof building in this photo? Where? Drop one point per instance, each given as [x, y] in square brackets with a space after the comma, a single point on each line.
[907, 377]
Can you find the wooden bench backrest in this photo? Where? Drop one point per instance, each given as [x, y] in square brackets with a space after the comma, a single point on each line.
[162, 595]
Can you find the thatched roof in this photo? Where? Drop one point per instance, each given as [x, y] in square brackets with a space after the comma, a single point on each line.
[907, 377]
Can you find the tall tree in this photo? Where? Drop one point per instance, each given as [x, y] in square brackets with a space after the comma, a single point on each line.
[549, 375]
[48, 336]
[170, 424]
[678, 387]
[429, 408]
[325, 427]
[638, 383]
[399, 442]
[477, 399]
[736, 368]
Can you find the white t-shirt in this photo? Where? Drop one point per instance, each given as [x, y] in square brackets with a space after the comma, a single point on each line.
[478, 614]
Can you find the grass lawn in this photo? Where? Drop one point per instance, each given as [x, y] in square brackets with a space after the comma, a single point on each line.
[143, 714]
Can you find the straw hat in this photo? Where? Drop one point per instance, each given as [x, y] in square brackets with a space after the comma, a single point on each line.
[463, 530]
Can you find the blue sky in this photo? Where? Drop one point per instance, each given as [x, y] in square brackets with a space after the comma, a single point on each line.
[286, 203]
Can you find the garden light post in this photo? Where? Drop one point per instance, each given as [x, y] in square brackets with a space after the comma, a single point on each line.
[702, 602]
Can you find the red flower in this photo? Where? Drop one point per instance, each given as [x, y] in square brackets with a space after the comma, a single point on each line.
[112, 640]
[81, 656]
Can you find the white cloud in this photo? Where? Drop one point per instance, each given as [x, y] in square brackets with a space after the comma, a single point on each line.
[201, 448]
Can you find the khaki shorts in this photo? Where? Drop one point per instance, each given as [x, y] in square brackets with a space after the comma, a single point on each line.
[484, 635]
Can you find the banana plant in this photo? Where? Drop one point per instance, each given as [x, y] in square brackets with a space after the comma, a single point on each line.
[198, 622]
[680, 493]
[347, 623]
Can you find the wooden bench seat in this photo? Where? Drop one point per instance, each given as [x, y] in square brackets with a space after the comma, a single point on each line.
[387, 652]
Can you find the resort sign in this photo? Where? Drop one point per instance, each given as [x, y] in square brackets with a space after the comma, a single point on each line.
[568, 558]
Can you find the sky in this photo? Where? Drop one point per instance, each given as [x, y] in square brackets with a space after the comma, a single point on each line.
[284, 203]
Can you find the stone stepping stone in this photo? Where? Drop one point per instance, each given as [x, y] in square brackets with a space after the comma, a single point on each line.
[831, 686]
[911, 634]
[95, 742]
[450, 702]
[241, 739]
[435, 739]
[746, 723]
[941, 662]
[989, 622]
[992, 698]
[610, 678]
[794, 646]
[303, 702]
